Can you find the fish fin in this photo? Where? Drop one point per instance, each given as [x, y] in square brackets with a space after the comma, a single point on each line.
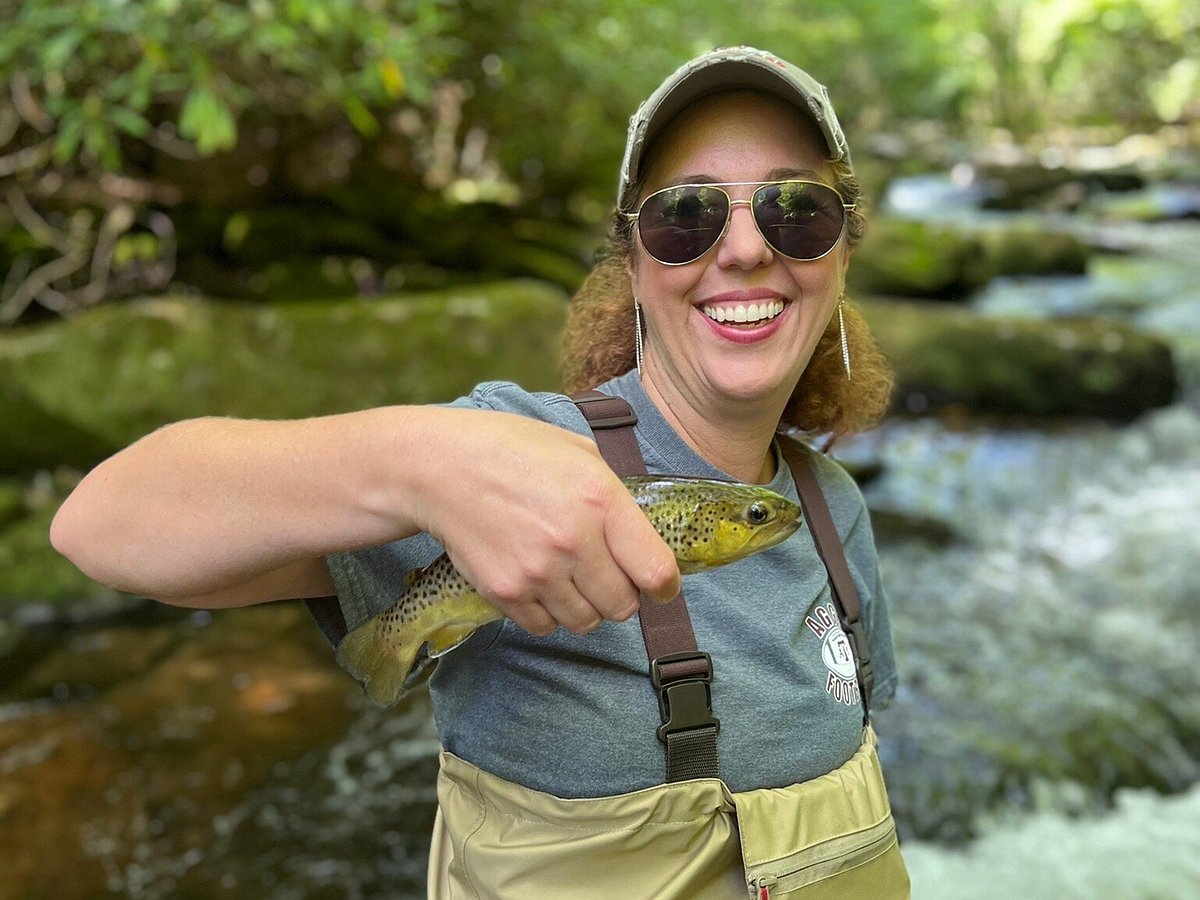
[449, 636]
[382, 669]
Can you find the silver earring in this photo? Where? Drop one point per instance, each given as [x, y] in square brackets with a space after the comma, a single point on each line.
[842, 334]
[637, 333]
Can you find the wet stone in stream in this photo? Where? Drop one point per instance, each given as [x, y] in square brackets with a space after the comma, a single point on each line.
[234, 759]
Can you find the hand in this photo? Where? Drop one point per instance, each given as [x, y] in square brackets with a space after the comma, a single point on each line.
[537, 521]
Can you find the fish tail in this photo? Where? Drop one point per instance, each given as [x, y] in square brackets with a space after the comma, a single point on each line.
[381, 667]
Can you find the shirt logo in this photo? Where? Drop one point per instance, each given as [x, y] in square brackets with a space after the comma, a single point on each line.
[842, 683]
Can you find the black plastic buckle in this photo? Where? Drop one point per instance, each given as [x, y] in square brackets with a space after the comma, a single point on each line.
[687, 703]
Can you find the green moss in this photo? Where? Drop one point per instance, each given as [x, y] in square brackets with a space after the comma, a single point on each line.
[31, 570]
[122, 370]
[12, 502]
[1076, 367]
[924, 259]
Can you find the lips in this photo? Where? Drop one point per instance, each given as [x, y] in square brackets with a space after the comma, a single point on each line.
[744, 322]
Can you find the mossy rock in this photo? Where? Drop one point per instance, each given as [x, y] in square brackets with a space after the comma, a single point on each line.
[945, 260]
[12, 502]
[112, 375]
[31, 434]
[31, 570]
[1033, 367]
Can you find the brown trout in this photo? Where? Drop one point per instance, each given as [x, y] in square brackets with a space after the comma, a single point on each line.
[706, 524]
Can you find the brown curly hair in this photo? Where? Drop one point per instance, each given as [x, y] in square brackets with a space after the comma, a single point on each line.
[598, 343]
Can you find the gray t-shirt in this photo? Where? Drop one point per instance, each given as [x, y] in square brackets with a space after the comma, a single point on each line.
[575, 715]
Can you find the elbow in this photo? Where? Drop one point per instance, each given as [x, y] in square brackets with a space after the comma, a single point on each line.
[75, 535]
[69, 536]
[65, 533]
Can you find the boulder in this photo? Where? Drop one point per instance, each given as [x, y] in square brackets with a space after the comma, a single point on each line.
[74, 391]
[950, 260]
[1093, 367]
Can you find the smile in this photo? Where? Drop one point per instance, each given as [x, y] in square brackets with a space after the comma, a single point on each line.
[750, 314]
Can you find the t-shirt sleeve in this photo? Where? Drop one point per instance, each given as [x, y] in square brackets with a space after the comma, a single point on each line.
[368, 581]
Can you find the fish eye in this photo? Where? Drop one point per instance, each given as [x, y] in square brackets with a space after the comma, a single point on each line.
[757, 513]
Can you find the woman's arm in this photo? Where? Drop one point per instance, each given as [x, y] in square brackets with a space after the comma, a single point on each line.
[224, 512]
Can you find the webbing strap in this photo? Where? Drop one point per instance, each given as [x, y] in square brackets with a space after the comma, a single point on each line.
[328, 615]
[692, 754]
[680, 674]
[829, 548]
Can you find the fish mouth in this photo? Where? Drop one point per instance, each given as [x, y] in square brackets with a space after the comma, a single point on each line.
[780, 532]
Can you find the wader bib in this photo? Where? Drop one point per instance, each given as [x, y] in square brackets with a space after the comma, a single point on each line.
[830, 838]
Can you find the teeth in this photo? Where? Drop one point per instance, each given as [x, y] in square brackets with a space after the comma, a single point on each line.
[753, 313]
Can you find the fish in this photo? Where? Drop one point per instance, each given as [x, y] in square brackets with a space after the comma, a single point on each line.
[706, 523]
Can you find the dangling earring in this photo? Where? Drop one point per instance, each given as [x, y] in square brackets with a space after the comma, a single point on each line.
[637, 333]
[842, 334]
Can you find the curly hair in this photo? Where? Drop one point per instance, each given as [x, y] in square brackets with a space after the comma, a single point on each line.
[598, 343]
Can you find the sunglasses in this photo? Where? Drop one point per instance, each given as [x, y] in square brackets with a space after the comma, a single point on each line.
[799, 219]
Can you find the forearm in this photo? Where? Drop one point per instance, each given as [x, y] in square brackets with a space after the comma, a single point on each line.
[222, 512]
[206, 505]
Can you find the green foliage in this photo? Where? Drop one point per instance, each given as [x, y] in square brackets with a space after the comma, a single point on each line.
[120, 115]
[104, 69]
[546, 81]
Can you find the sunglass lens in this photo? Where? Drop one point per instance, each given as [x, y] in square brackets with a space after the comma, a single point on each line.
[800, 219]
[680, 224]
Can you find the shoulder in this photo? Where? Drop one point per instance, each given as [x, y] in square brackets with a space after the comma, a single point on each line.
[546, 406]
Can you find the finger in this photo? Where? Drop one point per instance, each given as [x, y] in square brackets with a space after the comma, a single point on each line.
[570, 608]
[640, 551]
[534, 618]
[606, 587]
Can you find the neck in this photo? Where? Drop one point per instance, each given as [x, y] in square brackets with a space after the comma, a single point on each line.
[734, 436]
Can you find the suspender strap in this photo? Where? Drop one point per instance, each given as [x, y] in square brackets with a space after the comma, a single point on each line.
[679, 672]
[829, 547]
[328, 614]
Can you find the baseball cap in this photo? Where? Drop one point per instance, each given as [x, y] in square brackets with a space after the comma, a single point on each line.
[727, 68]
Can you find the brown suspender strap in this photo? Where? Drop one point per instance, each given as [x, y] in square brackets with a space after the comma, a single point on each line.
[328, 615]
[829, 547]
[680, 672]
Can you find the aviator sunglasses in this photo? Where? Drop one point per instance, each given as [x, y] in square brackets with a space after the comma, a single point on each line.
[801, 220]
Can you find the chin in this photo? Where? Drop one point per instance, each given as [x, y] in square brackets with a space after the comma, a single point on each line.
[753, 388]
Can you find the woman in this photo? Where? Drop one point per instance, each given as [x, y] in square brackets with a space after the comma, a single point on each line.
[718, 314]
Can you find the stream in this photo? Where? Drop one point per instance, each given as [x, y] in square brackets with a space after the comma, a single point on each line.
[1045, 610]
[1043, 601]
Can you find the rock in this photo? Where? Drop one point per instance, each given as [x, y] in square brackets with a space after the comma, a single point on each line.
[1030, 185]
[949, 260]
[1064, 367]
[178, 763]
[12, 503]
[1156, 203]
[32, 436]
[30, 569]
[77, 390]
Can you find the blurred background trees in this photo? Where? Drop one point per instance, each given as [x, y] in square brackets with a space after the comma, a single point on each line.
[259, 148]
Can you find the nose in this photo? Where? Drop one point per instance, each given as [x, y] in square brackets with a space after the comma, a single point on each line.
[743, 246]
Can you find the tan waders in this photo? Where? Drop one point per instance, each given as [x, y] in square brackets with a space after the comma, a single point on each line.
[831, 838]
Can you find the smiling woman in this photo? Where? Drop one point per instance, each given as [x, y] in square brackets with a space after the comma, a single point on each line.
[597, 759]
[806, 210]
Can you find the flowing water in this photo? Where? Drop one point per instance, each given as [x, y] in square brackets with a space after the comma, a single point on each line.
[1047, 614]
[1045, 610]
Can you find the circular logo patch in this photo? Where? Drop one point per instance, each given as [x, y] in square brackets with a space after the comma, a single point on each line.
[837, 655]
